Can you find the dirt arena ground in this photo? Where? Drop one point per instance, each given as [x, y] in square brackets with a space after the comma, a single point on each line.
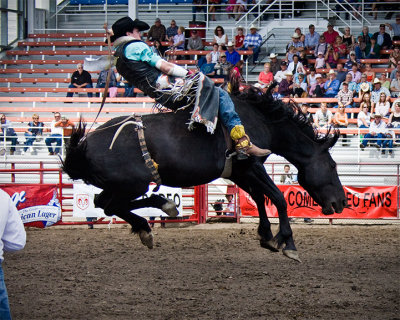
[215, 271]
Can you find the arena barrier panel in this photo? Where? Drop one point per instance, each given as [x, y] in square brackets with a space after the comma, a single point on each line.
[207, 202]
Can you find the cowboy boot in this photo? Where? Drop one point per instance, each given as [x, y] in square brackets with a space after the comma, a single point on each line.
[244, 146]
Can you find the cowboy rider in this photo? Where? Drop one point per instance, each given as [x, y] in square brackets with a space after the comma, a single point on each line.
[154, 76]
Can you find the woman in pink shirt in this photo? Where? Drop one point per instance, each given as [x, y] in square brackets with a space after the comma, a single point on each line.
[265, 77]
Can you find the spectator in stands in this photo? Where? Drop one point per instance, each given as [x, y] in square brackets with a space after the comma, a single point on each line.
[378, 132]
[340, 72]
[394, 119]
[265, 77]
[80, 79]
[286, 86]
[385, 82]
[351, 84]
[213, 7]
[208, 68]
[296, 43]
[235, 77]
[195, 42]
[290, 54]
[281, 74]
[352, 60]
[287, 176]
[55, 136]
[295, 65]
[331, 57]
[340, 47]
[363, 89]
[239, 39]
[157, 31]
[298, 31]
[394, 71]
[12, 238]
[366, 35]
[320, 61]
[199, 5]
[331, 86]
[239, 8]
[365, 100]
[179, 39]
[377, 90]
[34, 132]
[364, 117]
[311, 77]
[215, 53]
[340, 120]
[222, 67]
[382, 38]
[395, 27]
[317, 90]
[395, 85]
[252, 41]
[172, 30]
[370, 74]
[331, 34]
[359, 48]
[312, 38]
[300, 86]
[8, 133]
[275, 63]
[158, 48]
[322, 46]
[394, 57]
[129, 88]
[220, 37]
[372, 50]
[345, 96]
[303, 58]
[102, 80]
[323, 117]
[232, 56]
[66, 126]
[348, 38]
[275, 93]
[355, 74]
[382, 106]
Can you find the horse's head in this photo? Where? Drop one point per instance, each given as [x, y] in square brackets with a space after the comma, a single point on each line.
[318, 175]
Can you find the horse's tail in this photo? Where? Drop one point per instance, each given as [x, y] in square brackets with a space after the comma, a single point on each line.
[75, 163]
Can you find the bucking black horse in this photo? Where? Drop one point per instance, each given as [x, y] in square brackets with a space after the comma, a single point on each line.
[187, 158]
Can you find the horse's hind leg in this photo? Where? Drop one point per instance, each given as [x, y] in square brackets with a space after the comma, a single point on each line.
[121, 207]
[156, 201]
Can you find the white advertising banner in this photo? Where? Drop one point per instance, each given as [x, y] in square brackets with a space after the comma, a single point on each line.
[84, 205]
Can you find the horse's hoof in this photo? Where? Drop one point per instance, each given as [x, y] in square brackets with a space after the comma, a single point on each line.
[170, 209]
[146, 238]
[270, 245]
[292, 254]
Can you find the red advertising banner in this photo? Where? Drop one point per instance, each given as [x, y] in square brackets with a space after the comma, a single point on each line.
[364, 203]
[38, 205]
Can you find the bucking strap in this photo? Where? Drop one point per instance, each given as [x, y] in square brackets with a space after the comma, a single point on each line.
[150, 163]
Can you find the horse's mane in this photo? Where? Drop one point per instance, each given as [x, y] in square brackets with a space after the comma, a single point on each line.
[277, 111]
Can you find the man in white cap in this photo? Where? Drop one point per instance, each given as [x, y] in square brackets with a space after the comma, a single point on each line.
[252, 41]
[275, 63]
[377, 133]
[281, 74]
[171, 85]
[376, 92]
[232, 56]
[195, 42]
[317, 89]
[286, 85]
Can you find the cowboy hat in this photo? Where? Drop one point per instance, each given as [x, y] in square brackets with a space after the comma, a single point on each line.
[376, 80]
[126, 24]
[318, 76]
[230, 44]
[272, 55]
[332, 71]
[295, 35]
[288, 73]
[254, 26]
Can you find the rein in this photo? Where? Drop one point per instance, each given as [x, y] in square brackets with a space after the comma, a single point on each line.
[108, 77]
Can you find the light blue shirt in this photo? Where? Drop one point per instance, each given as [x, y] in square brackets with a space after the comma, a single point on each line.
[312, 40]
[140, 51]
